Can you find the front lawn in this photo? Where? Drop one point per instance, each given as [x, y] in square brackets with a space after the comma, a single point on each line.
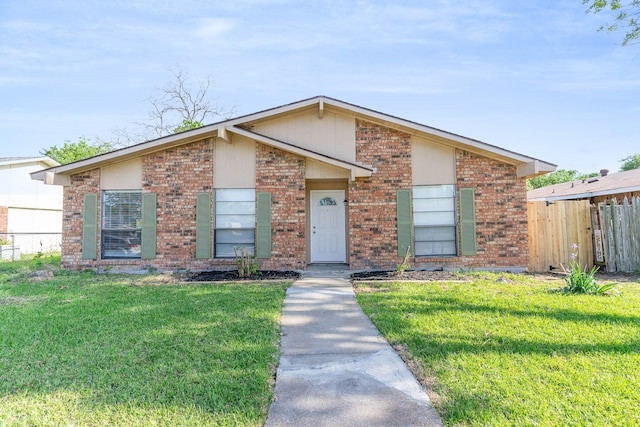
[85, 349]
[511, 350]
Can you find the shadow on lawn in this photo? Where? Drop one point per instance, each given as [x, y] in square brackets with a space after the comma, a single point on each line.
[501, 343]
[187, 347]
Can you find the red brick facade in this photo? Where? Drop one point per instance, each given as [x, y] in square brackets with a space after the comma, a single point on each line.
[372, 201]
[81, 184]
[283, 175]
[501, 215]
[176, 175]
[501, 211]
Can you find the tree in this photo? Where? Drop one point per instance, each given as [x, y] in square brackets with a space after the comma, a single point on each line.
[630, 163]
[180, 106]
[74, 151]
[561, 175]
[626, 15]
[187, 125]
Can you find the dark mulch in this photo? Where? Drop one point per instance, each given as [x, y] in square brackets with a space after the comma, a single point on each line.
[425, 275]
[220, 276]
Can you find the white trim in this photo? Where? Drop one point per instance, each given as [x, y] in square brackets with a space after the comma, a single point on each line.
[322, 102]
[356, 170]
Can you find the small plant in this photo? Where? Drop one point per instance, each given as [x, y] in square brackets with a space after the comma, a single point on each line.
[4, 241]
[405, 265]
[247, 265]
[580, 281]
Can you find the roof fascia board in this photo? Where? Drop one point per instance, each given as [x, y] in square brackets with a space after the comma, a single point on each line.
[356, 170]
[273, 111]
[400, 124]
[413, 128]
[138, 149]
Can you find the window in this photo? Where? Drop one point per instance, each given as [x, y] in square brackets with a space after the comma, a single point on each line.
[235, 213]
[121, 224]
[434, 220]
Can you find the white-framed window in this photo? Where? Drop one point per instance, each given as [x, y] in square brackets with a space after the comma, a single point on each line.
[434, 220]
[121, 224]
[235, 221]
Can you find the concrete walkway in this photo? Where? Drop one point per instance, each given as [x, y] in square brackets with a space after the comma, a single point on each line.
[336, 369]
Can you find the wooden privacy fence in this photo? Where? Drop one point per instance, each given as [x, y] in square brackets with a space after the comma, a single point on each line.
[617, 235]
[554, 229]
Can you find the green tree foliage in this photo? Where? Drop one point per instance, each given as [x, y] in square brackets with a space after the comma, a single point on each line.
[625, 15]
[73, 151]
[561, 175]
[630, 163]
[187, 125]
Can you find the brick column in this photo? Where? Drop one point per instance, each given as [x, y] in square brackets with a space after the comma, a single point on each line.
[372, 201]
[283, 175]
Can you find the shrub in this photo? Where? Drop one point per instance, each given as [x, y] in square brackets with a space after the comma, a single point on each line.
[580, 281]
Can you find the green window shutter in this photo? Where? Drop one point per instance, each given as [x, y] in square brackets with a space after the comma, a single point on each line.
[148, 250]
[405, 226]
[263, 225]
[203, 225]
[90, 226]
[467, 222]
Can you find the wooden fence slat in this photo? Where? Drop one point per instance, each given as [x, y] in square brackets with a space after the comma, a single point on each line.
[621, 228]
[553, 228]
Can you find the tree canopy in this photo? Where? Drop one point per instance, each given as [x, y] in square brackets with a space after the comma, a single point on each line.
[630, 163]
[557, 177]
[73, 151]
[625, 15]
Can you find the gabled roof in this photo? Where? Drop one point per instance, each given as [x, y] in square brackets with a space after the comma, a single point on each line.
[615, 183]
[526, 166]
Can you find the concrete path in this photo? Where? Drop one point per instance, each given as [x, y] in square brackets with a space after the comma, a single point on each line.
[335, 368]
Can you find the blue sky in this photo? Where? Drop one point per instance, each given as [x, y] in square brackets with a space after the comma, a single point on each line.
[533, 77]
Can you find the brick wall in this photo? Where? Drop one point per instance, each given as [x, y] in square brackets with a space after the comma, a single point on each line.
[4, 220]
[501, 211]
[501, 215]
[175, 176]
[81, 184]
[372, 201]
[283, 175]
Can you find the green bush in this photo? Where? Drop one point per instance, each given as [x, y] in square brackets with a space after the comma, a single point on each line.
[580, 281]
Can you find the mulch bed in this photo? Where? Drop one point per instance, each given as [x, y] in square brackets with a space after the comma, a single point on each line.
[418, 275]
[224, 276]
[425, 275]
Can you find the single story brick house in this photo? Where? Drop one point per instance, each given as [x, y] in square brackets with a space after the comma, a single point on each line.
[316, 181]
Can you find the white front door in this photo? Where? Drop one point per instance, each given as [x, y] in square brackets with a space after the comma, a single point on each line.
[328, 226]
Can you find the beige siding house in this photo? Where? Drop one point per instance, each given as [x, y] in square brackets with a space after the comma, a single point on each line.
[30, 212]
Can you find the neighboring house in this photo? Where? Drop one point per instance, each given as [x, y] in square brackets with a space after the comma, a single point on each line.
[315, 181]
[28, 207]
[597, 189]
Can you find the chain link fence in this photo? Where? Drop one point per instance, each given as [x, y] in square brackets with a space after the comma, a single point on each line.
[14, 245]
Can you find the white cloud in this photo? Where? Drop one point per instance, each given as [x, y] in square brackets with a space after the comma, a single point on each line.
[208, 28]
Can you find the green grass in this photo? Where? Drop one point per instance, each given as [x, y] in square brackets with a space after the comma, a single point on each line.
[517, 352]
[84, 349]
